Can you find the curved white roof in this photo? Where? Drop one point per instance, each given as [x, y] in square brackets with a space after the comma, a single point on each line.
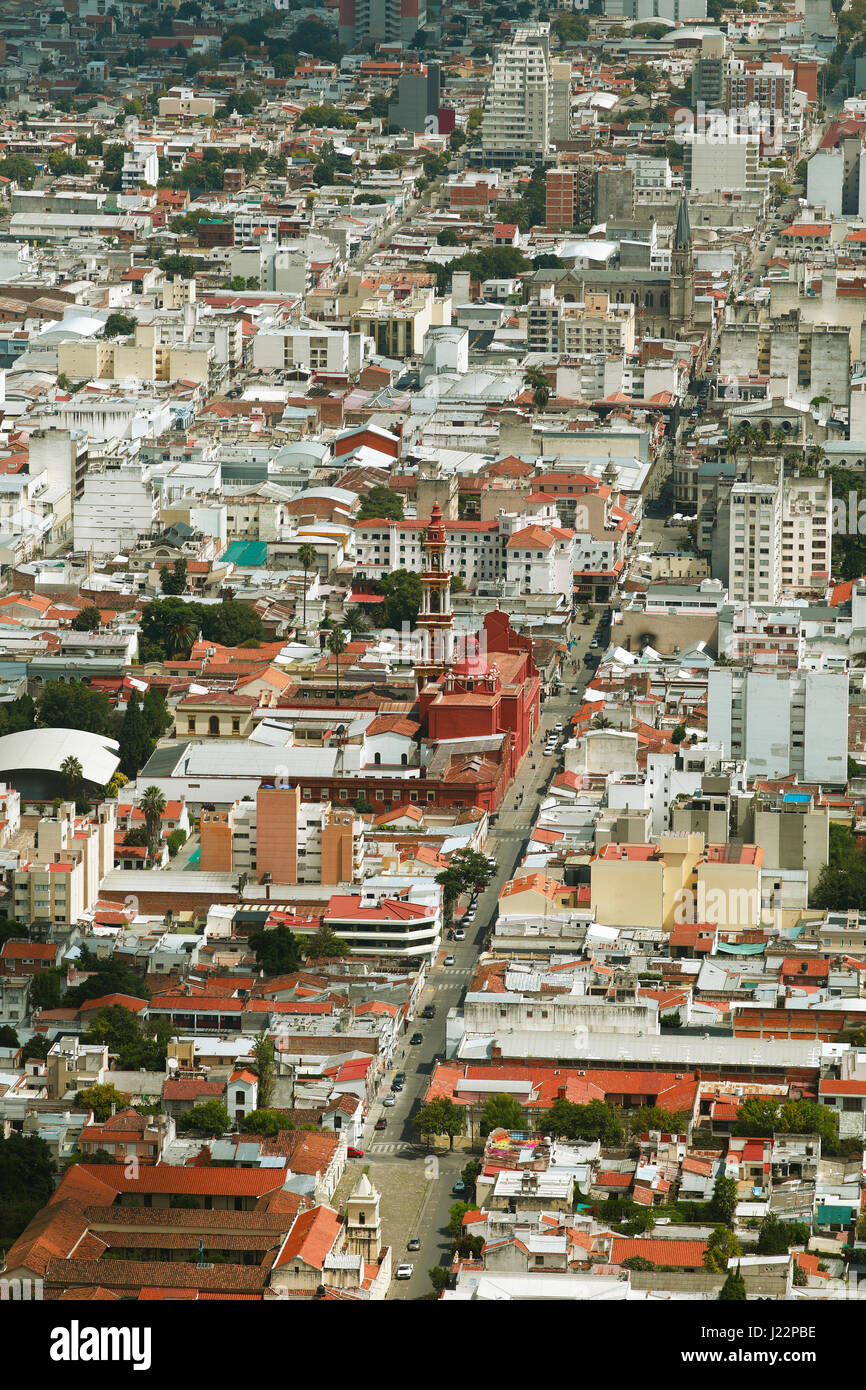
[49, 748]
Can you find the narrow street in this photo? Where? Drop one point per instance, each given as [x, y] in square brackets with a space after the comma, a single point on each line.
[422, 1210]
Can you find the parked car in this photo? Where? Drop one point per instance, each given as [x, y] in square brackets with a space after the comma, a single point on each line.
[428, 1011]
[559, 727]
[449, 960]
[548, 751]
[415, 1039]
[401, 1077]
[413, 1243]
[396, 1085]
[459, 934]
[405, 1271]
[381, 1123]
[352, 1152]
[593, 644]
[389, 1100]
[459, 1186]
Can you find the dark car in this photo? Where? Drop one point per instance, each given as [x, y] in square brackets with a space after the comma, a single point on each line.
[397, 1085]
[401, 1077]
[428, 1011]
[381, 1123]
[415, 1039]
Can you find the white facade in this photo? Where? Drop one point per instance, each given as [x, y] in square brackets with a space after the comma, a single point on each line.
[782, 723]
[320, 349]
[710, 163]
[806, 534]
[516, 124]
[755, 545]
[824, 179]
[140, 167]
[117, 507]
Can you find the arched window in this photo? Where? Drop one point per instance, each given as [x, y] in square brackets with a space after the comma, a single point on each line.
[649, 302]
[377, 759]
[404, 759]
[213, 724]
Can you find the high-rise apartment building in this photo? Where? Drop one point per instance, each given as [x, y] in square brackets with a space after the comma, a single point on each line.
[391, 21]
[755, 543]
[516, 124]
[781, 723]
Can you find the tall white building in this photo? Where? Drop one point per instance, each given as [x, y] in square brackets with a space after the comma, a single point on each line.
[560, 100]
[117, 507]
[782, 723]
[711, 162]
[807, 506]
[140, 167]
[755, 543]
[516, 125]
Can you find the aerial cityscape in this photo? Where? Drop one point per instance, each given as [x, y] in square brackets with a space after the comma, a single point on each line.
[432, 657]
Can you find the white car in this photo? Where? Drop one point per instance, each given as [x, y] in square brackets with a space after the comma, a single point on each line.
[405, 1271]
[549, 752]
[449, 960]
[459, 934]
[389, 1101]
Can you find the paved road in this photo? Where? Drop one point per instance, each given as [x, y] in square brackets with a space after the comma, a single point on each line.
[398, 1145]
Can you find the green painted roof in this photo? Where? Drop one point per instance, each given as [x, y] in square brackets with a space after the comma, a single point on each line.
[247, 554]
[744, 948]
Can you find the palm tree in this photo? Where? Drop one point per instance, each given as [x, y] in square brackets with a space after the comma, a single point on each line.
[336, 646]
[306, 557]
[180, 632]
[355, 621]
[153, 805]
[539, 385]
[72, 773]
[600, 722]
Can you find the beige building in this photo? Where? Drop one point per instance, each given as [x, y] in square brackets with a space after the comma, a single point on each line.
[644, 885]
[60, 881]
[146, 356]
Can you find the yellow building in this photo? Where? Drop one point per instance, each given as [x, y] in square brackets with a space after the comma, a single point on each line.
[644, 885]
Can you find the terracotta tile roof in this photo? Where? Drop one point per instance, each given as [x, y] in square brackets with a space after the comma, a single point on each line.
[312, 1238]
[667, 1254]
[54, 1231]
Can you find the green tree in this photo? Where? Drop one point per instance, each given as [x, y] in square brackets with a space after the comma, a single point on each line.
[536, 380]
[135, 743]
[440, 1116]
[19, 169]
[210, 1119]
[678, 734]
[263, 1056]
[153, 804]
[173, 581]
[757, 1118]
[776, 1237]
[734, 1288]
[724, 1199]
[156, 713]
[46, 990]
[502, 1112]
[402, 589]
[307, 557]
[73, 705]
[103, 1099]
[267, 1123]
[337, 646]
[722, 1246]
[26, 1183]
[72, 774]
[118, 325]
[276, 950]
[87, 619]
[325, 945]
[8, 1036]
[108, 977]
[381, 502]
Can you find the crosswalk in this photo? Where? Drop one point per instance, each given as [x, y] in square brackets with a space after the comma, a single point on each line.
[383, 1148]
